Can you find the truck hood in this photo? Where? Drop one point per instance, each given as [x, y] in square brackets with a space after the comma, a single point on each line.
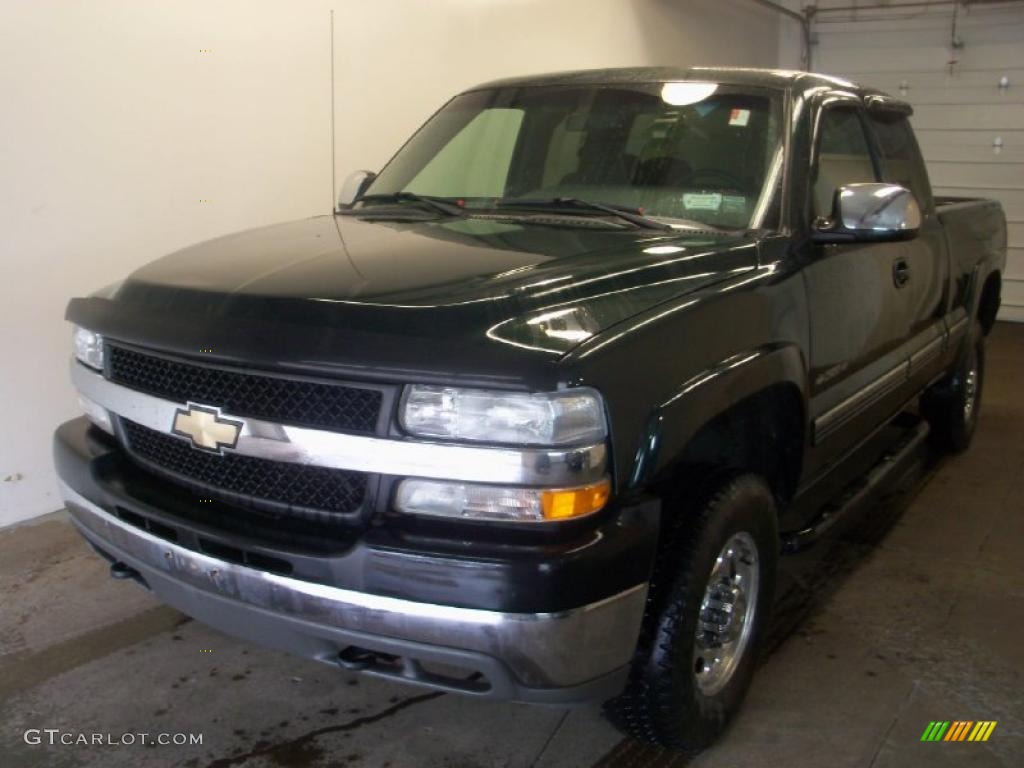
[341, 290]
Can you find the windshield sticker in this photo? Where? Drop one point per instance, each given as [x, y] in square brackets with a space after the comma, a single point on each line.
[705, 201]
[734, 204]
[739, 117]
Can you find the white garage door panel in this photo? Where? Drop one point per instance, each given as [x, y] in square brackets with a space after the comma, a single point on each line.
[858, 64]
[1015, 263]
[997, 175]
[930, 138]
[995, 24]
[988, 93]
[999, 116]
[959, 110]
[924, 82]
[1015, 230]
[926, 56]
[938, 152]
[1013, 293]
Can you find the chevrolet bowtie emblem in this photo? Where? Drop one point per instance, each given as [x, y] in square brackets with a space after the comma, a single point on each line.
[206, 428]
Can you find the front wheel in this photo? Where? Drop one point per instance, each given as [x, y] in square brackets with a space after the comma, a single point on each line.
[710, 600]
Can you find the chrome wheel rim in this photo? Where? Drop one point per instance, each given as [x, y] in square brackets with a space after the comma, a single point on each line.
[726, 619]
[970, 393]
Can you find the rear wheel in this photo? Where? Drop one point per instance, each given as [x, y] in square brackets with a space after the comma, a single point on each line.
[710, 600]
[951, 406]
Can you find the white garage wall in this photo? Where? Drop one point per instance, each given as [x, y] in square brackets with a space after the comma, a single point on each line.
[791, 38]
[132, 128]
[959, 109]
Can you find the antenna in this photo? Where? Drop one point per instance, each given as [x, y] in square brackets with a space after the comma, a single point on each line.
[334, 186]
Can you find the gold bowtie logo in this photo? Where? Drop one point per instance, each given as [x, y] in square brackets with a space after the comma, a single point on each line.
[206, 428]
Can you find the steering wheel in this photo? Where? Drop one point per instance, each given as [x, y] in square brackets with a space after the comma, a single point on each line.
[715, 178]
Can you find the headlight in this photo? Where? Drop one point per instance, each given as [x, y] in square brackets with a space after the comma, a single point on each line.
[488, 502]
[554, 418]
[88, 348]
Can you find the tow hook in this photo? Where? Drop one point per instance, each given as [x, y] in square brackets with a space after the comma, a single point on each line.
[119, 570]
[355, 659]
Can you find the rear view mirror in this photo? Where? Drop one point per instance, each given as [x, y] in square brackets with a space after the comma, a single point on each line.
[354, 186]
[870, 212]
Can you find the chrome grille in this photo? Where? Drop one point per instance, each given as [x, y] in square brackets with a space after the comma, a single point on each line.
[302, 490]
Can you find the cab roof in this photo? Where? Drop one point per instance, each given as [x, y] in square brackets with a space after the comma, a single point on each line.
[787, 79]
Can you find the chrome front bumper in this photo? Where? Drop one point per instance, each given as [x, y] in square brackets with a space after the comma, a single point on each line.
[558, 657]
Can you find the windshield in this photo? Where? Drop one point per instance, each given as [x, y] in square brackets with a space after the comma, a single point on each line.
[688, 151]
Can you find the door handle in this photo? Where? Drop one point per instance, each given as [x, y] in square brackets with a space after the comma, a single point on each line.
[900, 272]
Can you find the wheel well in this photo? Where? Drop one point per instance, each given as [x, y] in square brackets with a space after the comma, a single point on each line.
[988, 304]
[763, 433]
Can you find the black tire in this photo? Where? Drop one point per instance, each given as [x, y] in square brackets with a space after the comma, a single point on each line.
[665, 701]
[951, 406]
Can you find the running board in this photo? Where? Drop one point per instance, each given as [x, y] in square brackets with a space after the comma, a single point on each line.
[891, 464]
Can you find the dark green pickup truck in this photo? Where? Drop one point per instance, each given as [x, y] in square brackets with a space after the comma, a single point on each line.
[534, 413]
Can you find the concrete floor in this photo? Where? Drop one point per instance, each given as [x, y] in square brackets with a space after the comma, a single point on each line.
[911, 612]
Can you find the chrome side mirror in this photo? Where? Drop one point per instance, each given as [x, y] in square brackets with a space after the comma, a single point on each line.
[870, 212]
[354, 186]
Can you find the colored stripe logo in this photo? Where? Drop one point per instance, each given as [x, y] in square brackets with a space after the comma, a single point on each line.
[958, 730]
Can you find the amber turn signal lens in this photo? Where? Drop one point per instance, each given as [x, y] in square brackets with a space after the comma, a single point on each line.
[564, 503]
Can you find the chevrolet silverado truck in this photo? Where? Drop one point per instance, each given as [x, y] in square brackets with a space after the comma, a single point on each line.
[534, 413]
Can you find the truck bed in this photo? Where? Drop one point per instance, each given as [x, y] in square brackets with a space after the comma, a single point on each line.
[975, 230]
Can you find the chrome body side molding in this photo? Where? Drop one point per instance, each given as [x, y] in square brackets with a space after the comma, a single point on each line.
[838, 414]
[923, 350]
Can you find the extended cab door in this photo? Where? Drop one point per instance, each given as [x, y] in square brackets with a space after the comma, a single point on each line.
[857, 295]
[926, 292]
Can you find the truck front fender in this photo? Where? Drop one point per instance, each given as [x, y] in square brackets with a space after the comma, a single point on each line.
[772, 376]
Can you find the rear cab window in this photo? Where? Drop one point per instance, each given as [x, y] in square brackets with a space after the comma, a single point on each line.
[902, 162]
[843, 157]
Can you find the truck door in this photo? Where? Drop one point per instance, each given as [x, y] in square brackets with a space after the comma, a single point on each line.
[926, 292]
[856, 297]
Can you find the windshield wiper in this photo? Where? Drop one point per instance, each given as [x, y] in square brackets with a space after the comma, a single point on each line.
[438, 204]
[632, 215]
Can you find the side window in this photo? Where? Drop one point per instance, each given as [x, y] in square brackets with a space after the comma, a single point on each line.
[448, 175]
[843, 157]
[901, 158]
